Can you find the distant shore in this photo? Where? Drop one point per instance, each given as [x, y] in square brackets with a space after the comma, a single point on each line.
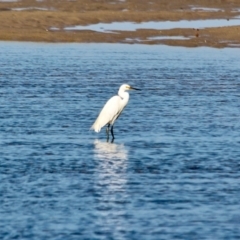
[45, 21]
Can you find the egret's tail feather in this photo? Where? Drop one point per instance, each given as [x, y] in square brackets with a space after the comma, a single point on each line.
[96, 128]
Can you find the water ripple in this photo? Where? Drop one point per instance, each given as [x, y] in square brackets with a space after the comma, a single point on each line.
[173, 170]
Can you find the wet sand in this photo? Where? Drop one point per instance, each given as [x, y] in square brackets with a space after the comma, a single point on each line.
[39, 20]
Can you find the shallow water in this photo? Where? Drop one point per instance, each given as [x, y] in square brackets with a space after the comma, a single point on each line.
[31, 9]
[168, 37]
[173, 171]
[205, 9]
[132, 26]
[9, 0]
[138, 40]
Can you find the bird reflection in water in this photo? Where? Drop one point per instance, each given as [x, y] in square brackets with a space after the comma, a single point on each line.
[110, 184]
[110, 151]
[112, 165]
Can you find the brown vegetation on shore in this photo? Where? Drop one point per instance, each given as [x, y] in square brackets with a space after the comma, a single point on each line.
[33, 20]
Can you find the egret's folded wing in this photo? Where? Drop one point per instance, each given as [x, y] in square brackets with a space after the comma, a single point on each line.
[109, 111]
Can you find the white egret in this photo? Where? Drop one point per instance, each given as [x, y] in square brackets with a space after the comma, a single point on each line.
[112, 110]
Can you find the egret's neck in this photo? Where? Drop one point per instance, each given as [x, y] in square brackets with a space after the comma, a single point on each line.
[123, 95]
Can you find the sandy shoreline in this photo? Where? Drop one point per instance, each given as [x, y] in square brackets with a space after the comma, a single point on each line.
[39, 20]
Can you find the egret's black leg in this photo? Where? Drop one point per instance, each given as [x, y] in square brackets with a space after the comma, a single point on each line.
[107, 131]
[112, 134]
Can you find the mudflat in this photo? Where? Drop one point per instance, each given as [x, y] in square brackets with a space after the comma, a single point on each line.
[49, 21]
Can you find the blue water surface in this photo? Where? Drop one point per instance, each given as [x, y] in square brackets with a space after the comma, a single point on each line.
[173, 171]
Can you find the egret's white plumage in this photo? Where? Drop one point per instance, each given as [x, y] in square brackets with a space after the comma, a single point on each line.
[112, 109]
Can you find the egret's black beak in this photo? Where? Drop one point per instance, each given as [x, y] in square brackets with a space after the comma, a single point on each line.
[132, 88]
